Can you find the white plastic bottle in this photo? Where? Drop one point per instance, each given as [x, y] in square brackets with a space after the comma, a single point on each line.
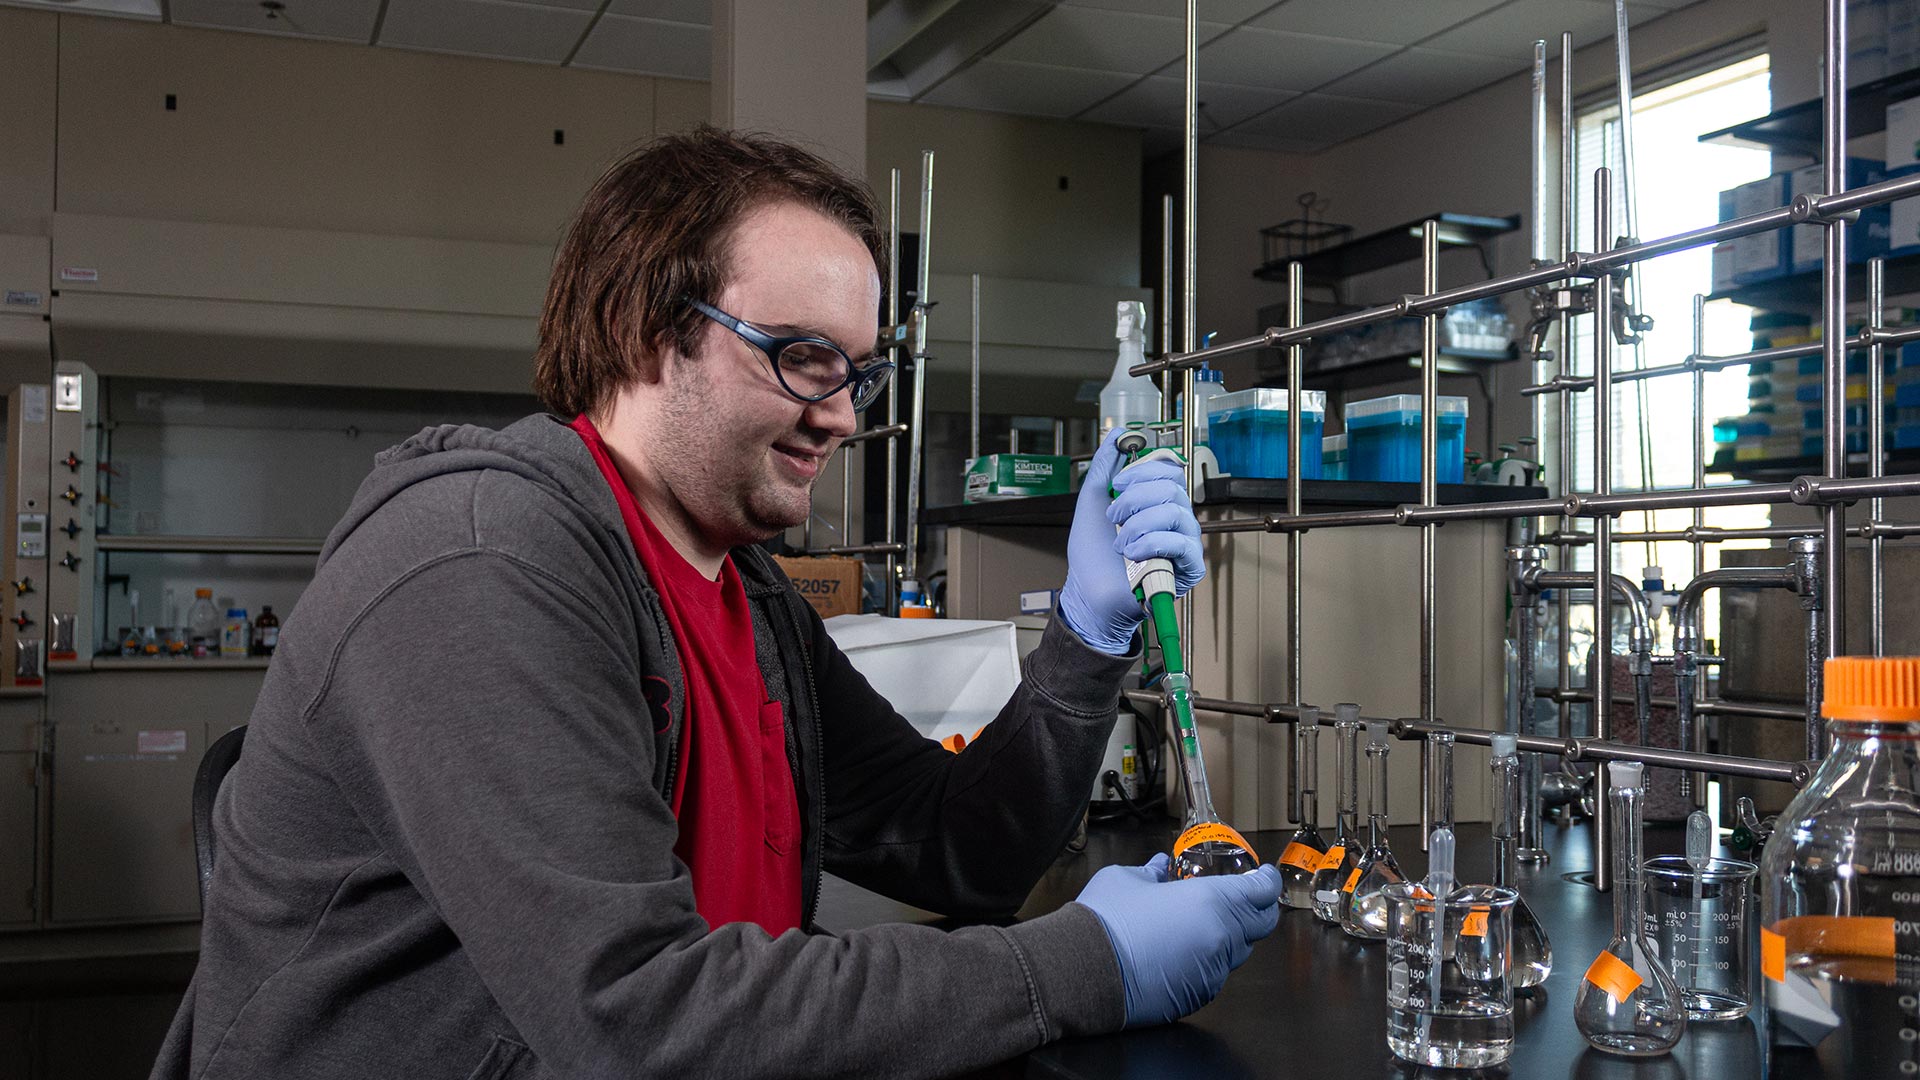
[203, 625]
[1207, 385]
[235, 633]
[1127, 398]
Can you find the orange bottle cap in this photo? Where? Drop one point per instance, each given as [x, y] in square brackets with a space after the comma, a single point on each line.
[1872, 688]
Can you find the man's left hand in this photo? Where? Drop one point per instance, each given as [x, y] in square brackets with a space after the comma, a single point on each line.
[1154, 520]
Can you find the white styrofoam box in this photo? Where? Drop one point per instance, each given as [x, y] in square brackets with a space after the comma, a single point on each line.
[1903, 133]
[1723, 267]
[1865, 240]
[945, 676]
[1766, 255]
[1904, 233]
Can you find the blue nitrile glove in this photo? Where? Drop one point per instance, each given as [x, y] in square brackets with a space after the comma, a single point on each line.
[1176, 940]
[1156, 521]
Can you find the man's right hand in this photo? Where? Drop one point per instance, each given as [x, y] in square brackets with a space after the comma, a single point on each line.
[1176, 940]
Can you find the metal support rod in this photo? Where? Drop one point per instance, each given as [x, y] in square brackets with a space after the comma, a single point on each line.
[973, 446]
[1296, 377]
[1876, 453]
[1790, 772]
[1688, 643]
[1600, 675]
[917, 450]
[1190, 275]
[1563, 334]
[859, 549]
[893, 390]
[1166, 305]
[1833, 148]
[1429, 496]
[1706, 707]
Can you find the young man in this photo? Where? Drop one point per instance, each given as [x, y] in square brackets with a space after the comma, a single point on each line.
[551, 757]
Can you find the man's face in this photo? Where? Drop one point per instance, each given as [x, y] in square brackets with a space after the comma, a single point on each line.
[740, 454]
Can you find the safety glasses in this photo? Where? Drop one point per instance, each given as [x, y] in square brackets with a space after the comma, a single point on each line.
[809, 368]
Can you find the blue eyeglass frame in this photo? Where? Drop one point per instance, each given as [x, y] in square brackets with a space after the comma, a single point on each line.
[863, 384]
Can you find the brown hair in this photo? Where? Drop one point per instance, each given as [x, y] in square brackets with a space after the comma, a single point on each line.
[653, 230]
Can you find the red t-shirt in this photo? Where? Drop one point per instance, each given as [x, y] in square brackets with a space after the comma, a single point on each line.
[734, 797]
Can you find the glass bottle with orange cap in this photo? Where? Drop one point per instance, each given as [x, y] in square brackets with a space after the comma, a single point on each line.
[1840, 907]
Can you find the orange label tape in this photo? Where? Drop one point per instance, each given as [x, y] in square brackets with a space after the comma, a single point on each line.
[1773, 956]
[1212, 832]
[1613, 975]
[1301, 856]
[1332, 858]
[1476, 924]
[1352, 880]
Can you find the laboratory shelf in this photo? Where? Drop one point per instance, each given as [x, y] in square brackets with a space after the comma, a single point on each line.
[1796, 129]
[1800, 293]
[1777, 470]
[210, 545]
[1388, 247]
[1227, 491]
[161, 663]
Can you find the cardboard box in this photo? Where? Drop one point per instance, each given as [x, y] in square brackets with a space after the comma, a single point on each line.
[1903, 232]
[831, 584]
[1017, 476]
[1766, 255]
[1903, 133]
[1866, 238]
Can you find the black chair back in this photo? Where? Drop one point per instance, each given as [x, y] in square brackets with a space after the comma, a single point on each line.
[214, 766]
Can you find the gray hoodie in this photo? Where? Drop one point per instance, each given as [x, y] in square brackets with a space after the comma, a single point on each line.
[447, 849]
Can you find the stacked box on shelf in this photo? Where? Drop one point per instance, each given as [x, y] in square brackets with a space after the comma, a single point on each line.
[1247, 431]
[1383, 439]
[1868, 238]
[1762, 256]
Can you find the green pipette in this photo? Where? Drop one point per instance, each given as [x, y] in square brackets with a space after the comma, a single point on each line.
[1207, 845]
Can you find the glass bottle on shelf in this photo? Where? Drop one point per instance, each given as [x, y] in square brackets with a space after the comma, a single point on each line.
[203, 625]
[1341, 858]
[1206, 845]
[1363, 911]
[266, 638]
[1532, 952]
[1840, 892]
[1300, 860]
[1628, 1002]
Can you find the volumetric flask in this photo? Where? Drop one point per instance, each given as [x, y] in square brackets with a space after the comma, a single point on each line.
[1442, 1012]
[1699, 924]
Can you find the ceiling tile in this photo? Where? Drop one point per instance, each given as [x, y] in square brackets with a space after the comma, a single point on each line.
[1162, 102]
[1325, 118]
[648, 46]
[1393, 21]
[570, 5]
[1512, 30]
[1277, 143]
[343, 20]
[1425, 76]
[1281, 61]
[696, 12]
[131, 9]
[1214, 11]
[1096, 40]
[498, 28]
[1028, 89]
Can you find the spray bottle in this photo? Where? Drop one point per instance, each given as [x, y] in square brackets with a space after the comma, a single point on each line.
[1127, 397]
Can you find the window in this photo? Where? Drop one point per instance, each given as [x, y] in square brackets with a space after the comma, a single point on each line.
[1680, 180]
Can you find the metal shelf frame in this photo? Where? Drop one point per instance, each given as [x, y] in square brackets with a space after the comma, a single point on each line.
[1594, 271]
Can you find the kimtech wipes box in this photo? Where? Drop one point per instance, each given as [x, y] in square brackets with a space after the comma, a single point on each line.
[1018, 476]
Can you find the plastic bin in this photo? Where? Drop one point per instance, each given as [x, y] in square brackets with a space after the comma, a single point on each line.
[1333, 457]
[1383, 439]
[1247, 431]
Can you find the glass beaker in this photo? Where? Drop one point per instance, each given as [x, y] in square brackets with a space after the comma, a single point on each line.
[1703, 940]
[1442, 1012]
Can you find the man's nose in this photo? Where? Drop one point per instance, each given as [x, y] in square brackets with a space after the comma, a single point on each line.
[833, 415]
